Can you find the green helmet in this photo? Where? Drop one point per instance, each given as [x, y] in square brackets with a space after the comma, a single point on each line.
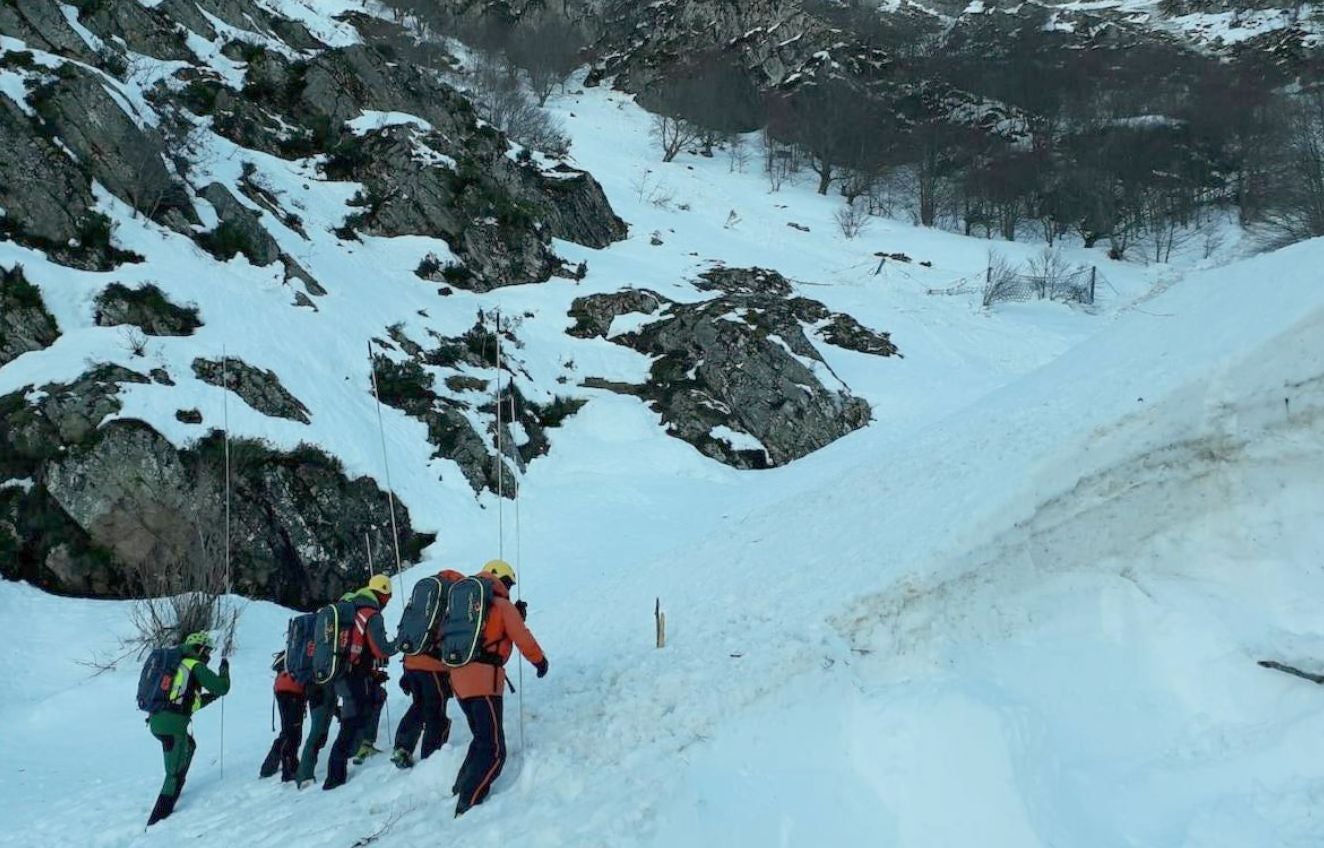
[199, 641]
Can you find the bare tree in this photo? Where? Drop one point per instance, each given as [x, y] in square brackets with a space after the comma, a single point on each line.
[547, 47]
[1051, 271]
[836, 125]
[1000, 280]
[673, 135]
[1296, 209]
[496, 87]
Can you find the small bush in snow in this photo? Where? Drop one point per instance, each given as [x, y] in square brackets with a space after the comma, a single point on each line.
[852, 219]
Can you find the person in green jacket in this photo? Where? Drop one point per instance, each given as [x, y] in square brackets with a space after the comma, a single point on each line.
[171, 725]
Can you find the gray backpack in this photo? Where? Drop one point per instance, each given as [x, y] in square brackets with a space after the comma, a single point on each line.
[468, 604]
[418, 632]
[299, 647]
[331, 640]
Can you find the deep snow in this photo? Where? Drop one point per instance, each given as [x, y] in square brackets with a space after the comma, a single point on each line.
[1020, 609]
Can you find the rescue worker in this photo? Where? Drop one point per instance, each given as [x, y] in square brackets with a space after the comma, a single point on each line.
[367, 642]
[480, 684]
[367, 742]
[291, 699]
[171, 725]
[321, 708]
[426, 680]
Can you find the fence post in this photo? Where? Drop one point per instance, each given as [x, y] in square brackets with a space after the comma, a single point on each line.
[1094, 273]
[660, 618]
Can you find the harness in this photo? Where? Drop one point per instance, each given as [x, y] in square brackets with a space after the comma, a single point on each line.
[358, 636]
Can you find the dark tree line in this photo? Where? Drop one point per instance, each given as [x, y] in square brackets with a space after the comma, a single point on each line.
[996, 132]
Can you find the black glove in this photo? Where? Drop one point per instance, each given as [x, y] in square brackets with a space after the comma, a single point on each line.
[542, 667]
[225, 665]
[404, 684]
[523, 608]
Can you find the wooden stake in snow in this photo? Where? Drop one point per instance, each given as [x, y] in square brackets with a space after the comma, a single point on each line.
[661, 618]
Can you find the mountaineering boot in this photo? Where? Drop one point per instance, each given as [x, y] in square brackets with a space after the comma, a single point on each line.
[165, 805]
[272, 762]
[335, 774]
[299, 784]
[402, 759]
[365, 750]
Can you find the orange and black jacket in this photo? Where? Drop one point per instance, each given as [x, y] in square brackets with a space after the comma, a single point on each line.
[505, 628]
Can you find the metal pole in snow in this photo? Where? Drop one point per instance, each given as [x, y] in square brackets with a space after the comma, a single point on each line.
[386, 463]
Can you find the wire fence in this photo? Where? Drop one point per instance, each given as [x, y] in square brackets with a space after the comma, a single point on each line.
[1001, 283]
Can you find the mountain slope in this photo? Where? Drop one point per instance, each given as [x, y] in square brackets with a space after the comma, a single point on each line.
[1042, 611]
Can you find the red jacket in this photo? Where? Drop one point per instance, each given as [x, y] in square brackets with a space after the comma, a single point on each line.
[504, 628]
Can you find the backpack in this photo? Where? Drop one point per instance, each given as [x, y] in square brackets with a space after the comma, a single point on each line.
[331, 630]
[468, 603]
[299, 647]
[156, 678]
[418, 632]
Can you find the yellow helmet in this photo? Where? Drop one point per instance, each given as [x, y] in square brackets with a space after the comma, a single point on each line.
[501, 570]
[380, 583]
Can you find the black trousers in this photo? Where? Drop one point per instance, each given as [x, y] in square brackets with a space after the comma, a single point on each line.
[356, 704]
[426, 715]
[487, 752]
[284, 753]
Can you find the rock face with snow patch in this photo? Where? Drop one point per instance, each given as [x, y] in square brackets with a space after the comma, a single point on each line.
[25, 324]
[736, 376]
[45, 202]
[128, 159]
[110, 509]
[145, 308]
[461, 412]
[260, 389]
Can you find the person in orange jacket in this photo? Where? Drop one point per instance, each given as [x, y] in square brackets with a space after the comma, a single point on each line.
[290, 700]
[426, 680]
[479, 687]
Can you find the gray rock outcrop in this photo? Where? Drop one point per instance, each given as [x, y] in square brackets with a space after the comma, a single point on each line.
[128, 159]
[111, 509]
[736, 376]
[47, 202]
[260, 389]
[145, 308]
[42, 24]
[25, 325]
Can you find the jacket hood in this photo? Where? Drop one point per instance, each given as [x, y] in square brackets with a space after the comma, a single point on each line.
[364, 597]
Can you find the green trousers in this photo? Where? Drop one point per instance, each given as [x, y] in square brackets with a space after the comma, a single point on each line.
[321, 705]
[177, 747]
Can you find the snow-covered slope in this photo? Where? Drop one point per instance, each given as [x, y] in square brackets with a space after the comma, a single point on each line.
[1019, 609]
[1031, 624]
